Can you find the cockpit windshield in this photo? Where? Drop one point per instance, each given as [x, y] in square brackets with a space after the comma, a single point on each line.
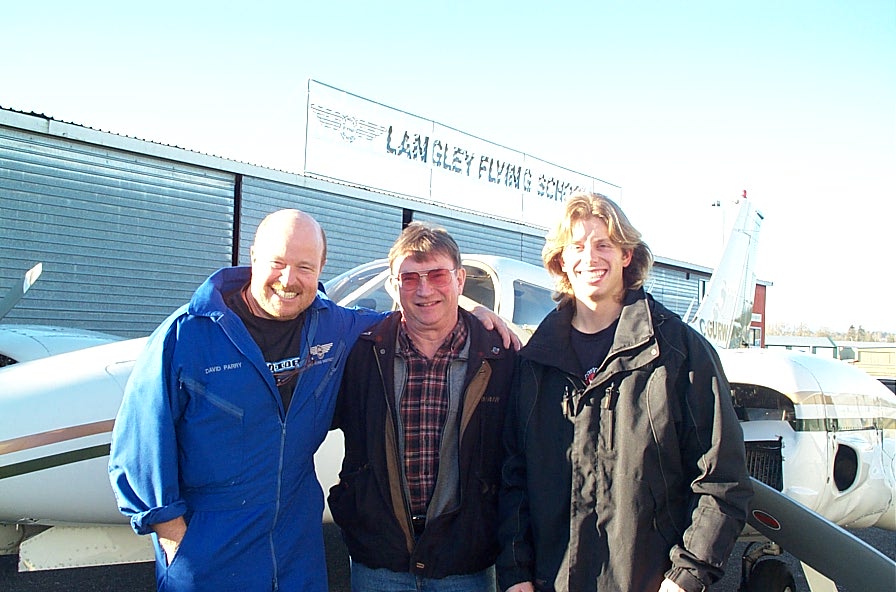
[759, 403]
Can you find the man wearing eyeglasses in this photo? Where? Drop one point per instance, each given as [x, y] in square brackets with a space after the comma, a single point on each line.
[422, 407]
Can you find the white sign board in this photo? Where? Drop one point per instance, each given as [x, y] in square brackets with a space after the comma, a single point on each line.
[357, 141]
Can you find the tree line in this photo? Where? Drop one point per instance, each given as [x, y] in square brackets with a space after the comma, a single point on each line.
[852, 334]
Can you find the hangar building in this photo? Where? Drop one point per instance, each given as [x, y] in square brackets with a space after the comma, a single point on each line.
[126, 228]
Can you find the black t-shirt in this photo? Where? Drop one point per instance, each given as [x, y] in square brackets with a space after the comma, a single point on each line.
[592, 348]
[280, 342]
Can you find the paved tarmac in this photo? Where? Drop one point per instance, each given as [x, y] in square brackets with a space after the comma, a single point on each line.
[140, 577]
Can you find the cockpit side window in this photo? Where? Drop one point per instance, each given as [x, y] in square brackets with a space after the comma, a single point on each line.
[759, 403]
[531, 303]
[366, 289]
[379, 300]
[347, 283]
[479, 287]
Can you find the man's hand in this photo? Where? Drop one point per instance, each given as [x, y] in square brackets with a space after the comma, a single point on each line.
[493, 322]
[670, 586]
[170, 535]
[521, 587]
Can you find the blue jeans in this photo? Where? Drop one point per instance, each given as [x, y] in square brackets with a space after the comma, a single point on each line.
[365, 579]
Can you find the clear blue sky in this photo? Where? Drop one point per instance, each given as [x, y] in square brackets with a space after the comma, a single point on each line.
[679, 103]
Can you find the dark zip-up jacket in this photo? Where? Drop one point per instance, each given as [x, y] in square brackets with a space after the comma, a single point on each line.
[370, 501]
[636, 477]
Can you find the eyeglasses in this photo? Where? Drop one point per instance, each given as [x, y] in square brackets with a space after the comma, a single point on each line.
[437, 278]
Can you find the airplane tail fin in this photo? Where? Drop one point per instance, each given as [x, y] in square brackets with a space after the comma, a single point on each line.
[16, 292]
[724, 314]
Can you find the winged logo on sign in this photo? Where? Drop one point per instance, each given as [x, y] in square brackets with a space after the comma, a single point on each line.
[349, 127]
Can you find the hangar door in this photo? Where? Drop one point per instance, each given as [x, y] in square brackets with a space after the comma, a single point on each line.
[484, 239]
[124, 238]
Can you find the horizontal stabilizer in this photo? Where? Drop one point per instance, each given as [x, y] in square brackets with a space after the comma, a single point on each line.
[64, 547]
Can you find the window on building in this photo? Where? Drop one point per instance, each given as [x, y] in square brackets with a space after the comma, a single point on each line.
[755, 336]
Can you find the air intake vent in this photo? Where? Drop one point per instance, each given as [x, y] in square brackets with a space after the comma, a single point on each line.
[764, 462]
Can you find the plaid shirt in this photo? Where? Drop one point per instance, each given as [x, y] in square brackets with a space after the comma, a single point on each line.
[423, 410]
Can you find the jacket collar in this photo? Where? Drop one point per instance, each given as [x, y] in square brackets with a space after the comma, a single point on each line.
[550, 344]
[482, 344]
[208, 299]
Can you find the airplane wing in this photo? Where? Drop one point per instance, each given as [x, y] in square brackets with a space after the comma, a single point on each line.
[17, 291]
[829, 549]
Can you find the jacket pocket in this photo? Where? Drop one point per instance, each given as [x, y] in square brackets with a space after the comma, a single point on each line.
[603, 404]
[325, 393]
[212, 442]
[191, 553]
[347, 497]
[484, 518]
[667, 518]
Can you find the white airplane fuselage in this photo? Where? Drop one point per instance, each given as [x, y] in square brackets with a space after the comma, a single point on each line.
[54, 446]
[827, 429]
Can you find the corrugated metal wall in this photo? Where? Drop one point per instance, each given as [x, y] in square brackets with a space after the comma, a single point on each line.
[476, 237]
[357, 230]
[675, 288]
[124, 238]
[532, 245]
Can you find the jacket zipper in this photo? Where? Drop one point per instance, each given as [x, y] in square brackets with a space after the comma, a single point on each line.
[609, 405]
[568, 401]
[398, 460]
[571, 396]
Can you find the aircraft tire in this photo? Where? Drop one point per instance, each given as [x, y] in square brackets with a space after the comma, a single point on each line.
[770, 575]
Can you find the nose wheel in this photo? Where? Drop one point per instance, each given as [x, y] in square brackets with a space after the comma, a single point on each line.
[763, 571]
[770, 575]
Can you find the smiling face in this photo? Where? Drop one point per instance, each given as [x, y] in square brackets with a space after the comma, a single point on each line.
[429, 309]
[287, 259]
[593, 263]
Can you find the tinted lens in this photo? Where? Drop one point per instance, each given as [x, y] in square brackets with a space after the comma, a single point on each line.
[409, 280]
[437, 278]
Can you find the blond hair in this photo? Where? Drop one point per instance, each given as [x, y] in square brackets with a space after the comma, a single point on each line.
[580, 207]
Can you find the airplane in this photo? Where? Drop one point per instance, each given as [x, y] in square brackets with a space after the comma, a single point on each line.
[814, 430]
[518, 291]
